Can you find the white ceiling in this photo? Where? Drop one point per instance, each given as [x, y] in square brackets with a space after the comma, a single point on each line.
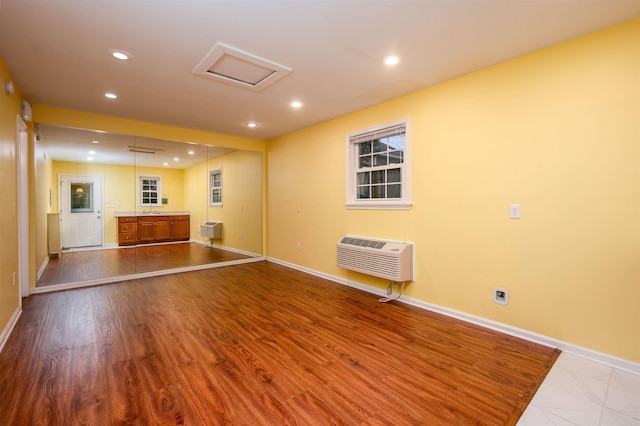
[58, 54]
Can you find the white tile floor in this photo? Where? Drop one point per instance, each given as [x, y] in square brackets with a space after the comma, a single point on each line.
[578, 391]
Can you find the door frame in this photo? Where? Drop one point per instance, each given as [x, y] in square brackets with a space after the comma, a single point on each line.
[100, 203]
[22, 155]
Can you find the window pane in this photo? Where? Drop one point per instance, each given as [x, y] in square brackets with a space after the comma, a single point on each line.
[394, 191]
[364, 178]
[364, 148]
[396, 142]
[378, 176]
[364, 162]
[81, 198]
[380, 145]
[363, 192]
[377, 191]
[396, 157]
[393, 175]
[380, 159]
[217, 196]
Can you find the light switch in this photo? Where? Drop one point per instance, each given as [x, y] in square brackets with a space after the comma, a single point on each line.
[514, 211]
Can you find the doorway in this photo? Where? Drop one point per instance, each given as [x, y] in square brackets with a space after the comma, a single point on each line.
[81, 218]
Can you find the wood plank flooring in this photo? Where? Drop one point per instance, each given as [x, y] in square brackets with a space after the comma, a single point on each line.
[86, 265]
[256, 344]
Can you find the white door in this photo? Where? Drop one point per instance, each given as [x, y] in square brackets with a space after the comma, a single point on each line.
[80, 204]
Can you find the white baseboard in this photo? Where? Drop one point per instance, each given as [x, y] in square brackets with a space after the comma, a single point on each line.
[42, 268]
[576, 350]
[9, 328]
[233, 250]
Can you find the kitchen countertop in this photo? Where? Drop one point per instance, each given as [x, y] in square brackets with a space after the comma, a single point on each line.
[152, 213]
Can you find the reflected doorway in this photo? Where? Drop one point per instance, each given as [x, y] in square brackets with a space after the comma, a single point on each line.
[80, 210]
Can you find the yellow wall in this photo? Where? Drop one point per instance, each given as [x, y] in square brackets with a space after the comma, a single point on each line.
[9, 108]
[185, 190]
[241, 210]
[557, 131]
[120, 189]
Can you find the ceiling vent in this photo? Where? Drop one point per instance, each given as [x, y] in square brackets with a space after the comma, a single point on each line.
[142, 150]
[229, 65]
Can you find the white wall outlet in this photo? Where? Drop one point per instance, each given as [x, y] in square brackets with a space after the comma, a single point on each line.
[514, 211]
[501, 296]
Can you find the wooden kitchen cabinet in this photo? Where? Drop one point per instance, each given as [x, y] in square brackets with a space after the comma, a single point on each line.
[153, 229]
[180, 228]
[127, 230]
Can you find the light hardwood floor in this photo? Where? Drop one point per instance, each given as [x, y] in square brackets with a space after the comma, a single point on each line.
[256, 344]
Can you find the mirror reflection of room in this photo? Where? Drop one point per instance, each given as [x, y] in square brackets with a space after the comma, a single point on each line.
[122, 205]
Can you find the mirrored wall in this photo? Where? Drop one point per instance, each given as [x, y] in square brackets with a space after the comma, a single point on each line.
[109, 206]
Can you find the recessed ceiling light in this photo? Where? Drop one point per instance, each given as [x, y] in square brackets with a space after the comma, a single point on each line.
[176, 159]
[296, 104]
[110, 95]
[391, 60]
[95, 141]
[120, 54]
[191, 152]
[251, 124]
[165, 164]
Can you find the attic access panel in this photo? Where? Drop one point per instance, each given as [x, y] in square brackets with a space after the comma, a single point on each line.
[232, 66]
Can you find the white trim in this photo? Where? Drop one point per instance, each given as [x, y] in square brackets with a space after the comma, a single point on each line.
[159, 192]
[9, 328]
[42, 268]
[22, 176]
[571, 348]
[233, 250]
[217, 170]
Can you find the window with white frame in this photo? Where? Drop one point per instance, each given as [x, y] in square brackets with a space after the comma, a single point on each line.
[215, 187]
[378, 168]
[149, 191]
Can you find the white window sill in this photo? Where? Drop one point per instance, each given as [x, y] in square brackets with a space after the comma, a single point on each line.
[379, 205]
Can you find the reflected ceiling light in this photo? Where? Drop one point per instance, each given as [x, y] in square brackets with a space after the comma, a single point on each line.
[110, 95]
[391, 60]
[92, 152]
[296, 104]
[90, 158]
[120, 54]
[252, 124]
[79, 190]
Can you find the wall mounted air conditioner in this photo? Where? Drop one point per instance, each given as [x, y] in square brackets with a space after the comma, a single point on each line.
[392, 260]
[211, 230]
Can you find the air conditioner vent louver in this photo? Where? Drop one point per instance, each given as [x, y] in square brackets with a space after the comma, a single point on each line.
[385, 259]
[363, 243]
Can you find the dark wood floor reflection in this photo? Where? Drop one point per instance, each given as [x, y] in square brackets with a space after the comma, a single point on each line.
[256, 344]
[77, 266]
